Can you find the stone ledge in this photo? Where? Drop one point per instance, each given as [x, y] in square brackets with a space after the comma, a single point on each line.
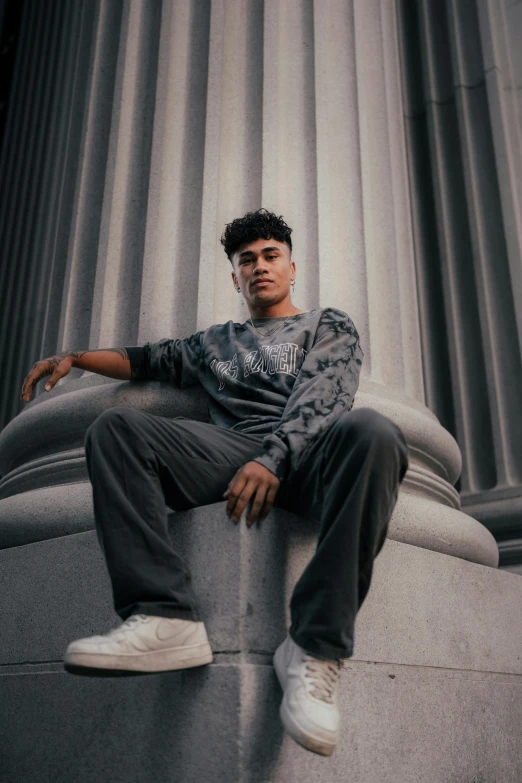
[424, 608]
[67, 509]
[220, 724]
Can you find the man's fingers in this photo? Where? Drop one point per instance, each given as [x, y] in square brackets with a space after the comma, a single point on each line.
[243, 500]
[36, 375]
[29, 386]
[238, 498]
[26, 388]
[269, 502]
[257, 505]
[55, 377]
[255, 485]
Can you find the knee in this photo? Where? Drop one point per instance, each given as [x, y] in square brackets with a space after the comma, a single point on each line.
[376, 432]
[105, 422]
[370, 426]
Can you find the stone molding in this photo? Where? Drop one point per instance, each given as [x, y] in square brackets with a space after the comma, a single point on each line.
[53, 464]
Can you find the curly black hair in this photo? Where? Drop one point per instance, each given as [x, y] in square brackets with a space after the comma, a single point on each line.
[255, 225]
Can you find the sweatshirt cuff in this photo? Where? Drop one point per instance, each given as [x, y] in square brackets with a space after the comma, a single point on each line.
[276, 460]
[138, 361]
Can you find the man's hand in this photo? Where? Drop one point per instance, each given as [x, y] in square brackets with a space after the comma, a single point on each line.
[55, 366]
[251, 478]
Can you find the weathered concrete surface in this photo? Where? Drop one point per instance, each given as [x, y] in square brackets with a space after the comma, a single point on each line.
[424, 608]
[178, 726]
[400, 724]
[220, 724]
[431, 694]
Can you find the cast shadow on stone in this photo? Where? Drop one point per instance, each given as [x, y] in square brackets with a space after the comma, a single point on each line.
[191, 735]
[247, 611]
[280, 549]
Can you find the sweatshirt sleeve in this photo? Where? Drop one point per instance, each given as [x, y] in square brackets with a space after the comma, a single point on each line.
[174, 360]
[324, 388]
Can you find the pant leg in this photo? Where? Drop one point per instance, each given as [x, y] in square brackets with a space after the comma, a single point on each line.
[139, 463]
[351, 474]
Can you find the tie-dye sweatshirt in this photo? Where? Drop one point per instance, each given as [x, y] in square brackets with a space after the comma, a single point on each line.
[291, 384]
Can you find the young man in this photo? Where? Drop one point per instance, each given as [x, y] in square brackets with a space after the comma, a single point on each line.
[281, 388]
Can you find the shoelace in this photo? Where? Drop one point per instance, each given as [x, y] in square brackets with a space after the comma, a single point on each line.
[132, 620]
[324, 675]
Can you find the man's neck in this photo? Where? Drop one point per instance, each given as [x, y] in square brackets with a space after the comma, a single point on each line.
[285, 313]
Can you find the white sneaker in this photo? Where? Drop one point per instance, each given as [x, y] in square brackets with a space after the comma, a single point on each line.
[309, 708]
[143, 643]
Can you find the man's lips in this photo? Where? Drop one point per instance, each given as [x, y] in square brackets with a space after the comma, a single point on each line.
[261, 282]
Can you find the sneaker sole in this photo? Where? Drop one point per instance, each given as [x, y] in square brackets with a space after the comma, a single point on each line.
[304, 738]
[141, 663]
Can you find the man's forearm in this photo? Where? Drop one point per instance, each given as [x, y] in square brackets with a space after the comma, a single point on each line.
[112, 362]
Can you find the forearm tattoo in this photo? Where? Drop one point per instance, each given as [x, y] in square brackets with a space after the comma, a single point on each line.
[55, 360]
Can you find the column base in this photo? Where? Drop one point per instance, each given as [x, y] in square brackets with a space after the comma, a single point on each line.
[420, 699]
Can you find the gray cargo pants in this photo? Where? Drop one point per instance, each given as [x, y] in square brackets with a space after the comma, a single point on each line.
[139, 463]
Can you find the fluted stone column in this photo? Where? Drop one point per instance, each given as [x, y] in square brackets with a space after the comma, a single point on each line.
[195, 113]
[463, 82]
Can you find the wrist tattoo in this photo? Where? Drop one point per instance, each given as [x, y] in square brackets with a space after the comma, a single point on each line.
[54, 360]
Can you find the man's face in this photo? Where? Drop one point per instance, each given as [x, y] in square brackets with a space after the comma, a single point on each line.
[264, 259]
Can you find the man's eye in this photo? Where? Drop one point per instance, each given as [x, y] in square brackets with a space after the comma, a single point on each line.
[248, 260]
